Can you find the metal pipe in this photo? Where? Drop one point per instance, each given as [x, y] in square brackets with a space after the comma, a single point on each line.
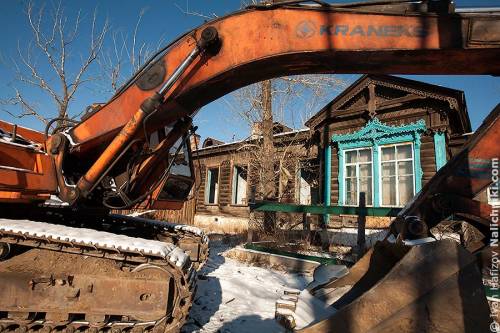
[116, 148]
[178, 72]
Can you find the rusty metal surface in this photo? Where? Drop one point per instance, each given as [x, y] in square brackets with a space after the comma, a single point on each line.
[85, 294]
[435, 287]
[158, 298]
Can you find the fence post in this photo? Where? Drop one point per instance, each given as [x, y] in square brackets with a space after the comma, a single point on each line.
[361, 244]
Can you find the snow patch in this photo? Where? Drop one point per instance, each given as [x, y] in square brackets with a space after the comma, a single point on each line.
[234, 297]
[311, 310]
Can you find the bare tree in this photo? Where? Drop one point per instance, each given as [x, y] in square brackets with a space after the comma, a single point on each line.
[50, 63]
[126, 54]
[264, 103]
[292, 100]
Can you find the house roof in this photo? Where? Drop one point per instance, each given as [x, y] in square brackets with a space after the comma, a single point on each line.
[455, 98]
[232, 145]
[208, 142]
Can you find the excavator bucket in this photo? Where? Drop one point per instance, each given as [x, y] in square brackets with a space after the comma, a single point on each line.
[430, 287]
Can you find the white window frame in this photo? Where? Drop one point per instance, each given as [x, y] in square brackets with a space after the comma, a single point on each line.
[216, 199]
[357, 177]
[398, 204]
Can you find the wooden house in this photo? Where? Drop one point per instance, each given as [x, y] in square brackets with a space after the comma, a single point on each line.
[381, 139]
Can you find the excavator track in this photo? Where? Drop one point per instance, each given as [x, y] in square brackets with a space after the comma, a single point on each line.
[189, 238]
[60, 278]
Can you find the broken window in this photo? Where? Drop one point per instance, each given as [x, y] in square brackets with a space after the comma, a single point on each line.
[239, 190]
[307, 190]
[212, 186]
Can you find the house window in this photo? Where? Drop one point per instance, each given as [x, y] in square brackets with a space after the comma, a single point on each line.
[393, 152]
[397, 175]
[358, 176]
[307, 186]
[212, 186]
[240, 175]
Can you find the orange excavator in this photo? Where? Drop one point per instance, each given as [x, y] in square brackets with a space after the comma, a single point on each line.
[69, 264]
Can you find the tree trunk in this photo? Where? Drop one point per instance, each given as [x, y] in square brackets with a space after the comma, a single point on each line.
[269, 189]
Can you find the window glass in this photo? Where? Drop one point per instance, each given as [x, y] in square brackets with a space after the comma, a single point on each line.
[358, 176]
[492, 194]
[388, 169]
[404, 152]
[365, 170]
[179, 181]
[180, 162]
[389, 191]
[350, 156]
[397, 174]
[405, 189]
[351, 191]
[388, 153]
[350, 171]
[365, 186]
[365, 155]
[405, 168]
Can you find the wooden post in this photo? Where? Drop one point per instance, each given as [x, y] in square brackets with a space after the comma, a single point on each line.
[361, 244]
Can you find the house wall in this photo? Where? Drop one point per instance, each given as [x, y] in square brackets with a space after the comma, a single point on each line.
[441, 110]
[435, 115]
[224, 216]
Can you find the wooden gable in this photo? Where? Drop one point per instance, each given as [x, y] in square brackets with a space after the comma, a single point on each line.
[389, 97]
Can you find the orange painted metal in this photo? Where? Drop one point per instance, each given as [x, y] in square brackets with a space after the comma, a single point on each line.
[24, 132]
[25, 173]
[118, 144]
[260, 44]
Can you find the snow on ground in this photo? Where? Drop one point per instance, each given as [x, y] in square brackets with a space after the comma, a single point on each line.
[234, 297]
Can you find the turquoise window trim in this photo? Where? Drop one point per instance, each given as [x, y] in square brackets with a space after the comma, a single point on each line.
[328, 179]
[340, 154]
[376, 134]
[440, 149]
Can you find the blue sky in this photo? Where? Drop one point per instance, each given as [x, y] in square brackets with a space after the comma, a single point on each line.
[164, 20]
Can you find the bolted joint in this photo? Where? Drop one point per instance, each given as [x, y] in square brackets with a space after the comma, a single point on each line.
[152, 103]
[210, 41]
[73, 194]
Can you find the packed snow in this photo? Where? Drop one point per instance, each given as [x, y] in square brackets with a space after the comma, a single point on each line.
[95, 238]
[235, 297]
